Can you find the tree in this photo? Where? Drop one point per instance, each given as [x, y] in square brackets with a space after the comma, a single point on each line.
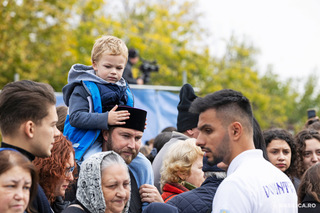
[33, 38]
[41, 39]
[166, 31]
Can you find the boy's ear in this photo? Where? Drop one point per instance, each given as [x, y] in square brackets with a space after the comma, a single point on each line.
[94, 65]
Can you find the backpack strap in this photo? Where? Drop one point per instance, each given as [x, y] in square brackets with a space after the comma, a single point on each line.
[130, 101]
[95, 99]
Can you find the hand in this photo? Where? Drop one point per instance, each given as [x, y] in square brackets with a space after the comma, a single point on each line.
[150, 194]
[140, 81]
[117, 117]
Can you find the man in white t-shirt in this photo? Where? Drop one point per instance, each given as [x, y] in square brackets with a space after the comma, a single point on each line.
[226, 134]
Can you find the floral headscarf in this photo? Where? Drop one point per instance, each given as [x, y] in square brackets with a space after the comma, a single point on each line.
[89, 191]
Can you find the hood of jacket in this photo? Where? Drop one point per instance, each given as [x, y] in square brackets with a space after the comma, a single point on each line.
[89, 191]
[79, 73]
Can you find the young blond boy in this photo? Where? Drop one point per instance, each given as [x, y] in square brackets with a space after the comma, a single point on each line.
[89, 93]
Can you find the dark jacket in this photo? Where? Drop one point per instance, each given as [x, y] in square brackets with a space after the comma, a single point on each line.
[127, 74]
[198, 200]
[59, 204]
[40, 203]
[309, 205]
[172, 189]
[160, 208]
[76, 207]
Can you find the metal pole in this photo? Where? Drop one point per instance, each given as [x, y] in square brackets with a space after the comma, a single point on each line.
[16, 77]
[184, 77]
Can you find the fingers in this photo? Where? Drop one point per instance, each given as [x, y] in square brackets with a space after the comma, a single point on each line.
[118, 117]
[114, 108]
[150, 193]
[121, 116]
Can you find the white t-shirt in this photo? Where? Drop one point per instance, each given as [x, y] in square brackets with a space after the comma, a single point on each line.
[254, 185]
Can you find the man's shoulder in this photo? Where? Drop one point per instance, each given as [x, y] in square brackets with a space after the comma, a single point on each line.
[140, 159]
[141, 169]
[140, 164]
[253, 168]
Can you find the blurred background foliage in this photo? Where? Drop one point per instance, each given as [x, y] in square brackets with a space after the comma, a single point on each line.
[41, 39]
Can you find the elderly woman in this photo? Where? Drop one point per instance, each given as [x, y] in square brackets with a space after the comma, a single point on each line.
[182, 169]
[103, 185]
[56, 172]
[309, 190]
[18, 182]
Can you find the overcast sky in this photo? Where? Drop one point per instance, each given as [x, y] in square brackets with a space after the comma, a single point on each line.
[287, 32]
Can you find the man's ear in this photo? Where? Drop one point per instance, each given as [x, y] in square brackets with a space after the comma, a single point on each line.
[29, 128]
[105, 135]
[235, 130]
[190, 132]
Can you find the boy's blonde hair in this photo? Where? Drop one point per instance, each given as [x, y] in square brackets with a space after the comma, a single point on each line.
[110, 45]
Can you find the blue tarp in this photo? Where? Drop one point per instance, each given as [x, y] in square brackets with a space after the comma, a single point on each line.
[161, 107]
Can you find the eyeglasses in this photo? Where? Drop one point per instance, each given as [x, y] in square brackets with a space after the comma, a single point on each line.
[68, 171]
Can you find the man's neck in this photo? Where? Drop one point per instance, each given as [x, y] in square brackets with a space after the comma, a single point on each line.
[19, 142]
[22, 151]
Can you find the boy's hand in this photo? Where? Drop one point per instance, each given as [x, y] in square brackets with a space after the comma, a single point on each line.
[117, 117]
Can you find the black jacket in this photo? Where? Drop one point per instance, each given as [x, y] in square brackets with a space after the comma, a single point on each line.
[197, 200]
[309, 205]
[127, 74]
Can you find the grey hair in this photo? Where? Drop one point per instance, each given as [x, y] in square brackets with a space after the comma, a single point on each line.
[112, 159]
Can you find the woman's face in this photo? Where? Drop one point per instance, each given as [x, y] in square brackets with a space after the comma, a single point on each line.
[311, 154]
[64, 182]
[197, 175]
[115, 182]
[279, 154]
[15, 187]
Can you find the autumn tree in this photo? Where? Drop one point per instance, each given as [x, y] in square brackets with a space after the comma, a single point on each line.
[34, 40]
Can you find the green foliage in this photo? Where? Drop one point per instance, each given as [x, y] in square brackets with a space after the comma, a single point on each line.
[34, 38]
[41, 39]
[164, 31]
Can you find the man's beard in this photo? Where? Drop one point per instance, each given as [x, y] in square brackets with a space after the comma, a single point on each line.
[127, 159]
[222, 151]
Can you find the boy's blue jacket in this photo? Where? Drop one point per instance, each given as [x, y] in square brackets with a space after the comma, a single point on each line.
[87, 95]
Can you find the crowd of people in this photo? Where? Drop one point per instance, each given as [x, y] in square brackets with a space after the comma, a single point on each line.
[88, 156]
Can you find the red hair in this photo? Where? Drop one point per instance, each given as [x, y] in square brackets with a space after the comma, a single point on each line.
[52, 169]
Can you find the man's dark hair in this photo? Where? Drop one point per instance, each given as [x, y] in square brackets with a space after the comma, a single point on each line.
[169, 129]
[133, 53]
[258, 138]
[229, 104]
[161, 139]
[24, 100]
